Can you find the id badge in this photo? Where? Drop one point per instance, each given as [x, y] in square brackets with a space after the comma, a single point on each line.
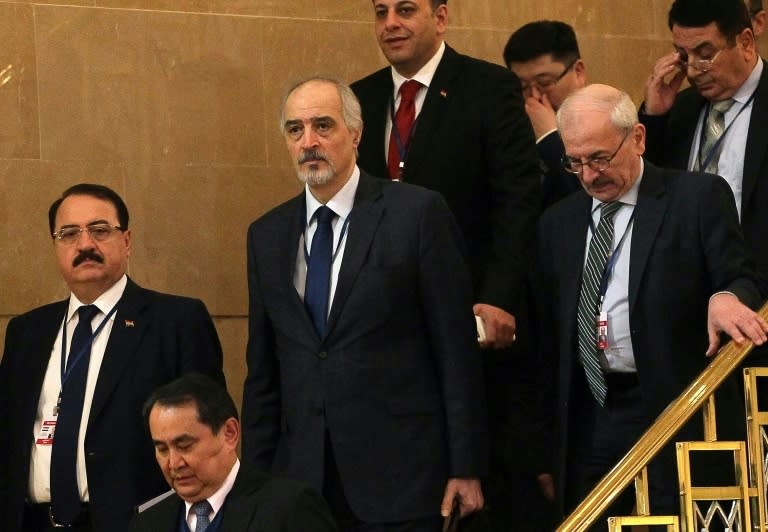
[47, 429]
[602, 331]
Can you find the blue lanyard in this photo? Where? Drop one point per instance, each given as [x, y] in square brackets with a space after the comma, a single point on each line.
[716, 145]
[402, 149]
[612, 259]
[338, 244]
[65, 373]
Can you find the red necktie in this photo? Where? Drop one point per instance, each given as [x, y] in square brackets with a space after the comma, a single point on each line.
[404, 119]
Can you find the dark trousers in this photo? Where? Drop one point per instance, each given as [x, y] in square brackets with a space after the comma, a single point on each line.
[600, 436]
[333, 491]
[37, 519]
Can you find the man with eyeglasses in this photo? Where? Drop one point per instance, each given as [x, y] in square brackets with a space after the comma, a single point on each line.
[545, 56]
[638, 275]
[74, 375]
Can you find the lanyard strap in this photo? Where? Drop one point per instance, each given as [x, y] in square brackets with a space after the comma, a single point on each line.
[402, 149]
[716, 145]
[65, 373]
[612, 259]
[338, 244]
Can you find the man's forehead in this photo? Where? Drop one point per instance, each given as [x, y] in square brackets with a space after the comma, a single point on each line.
[689, 37]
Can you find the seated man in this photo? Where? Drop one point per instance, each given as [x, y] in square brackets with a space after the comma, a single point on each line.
[196, 431]
[545, 56]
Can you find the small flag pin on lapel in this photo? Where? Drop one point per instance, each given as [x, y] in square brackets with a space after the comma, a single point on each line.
[443, 93]
[129, 323]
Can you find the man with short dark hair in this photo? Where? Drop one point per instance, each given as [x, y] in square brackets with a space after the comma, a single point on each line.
[195, 430]
[758, 16]
[74, 375]
[363, 374]
[720, 123]
[545, 56]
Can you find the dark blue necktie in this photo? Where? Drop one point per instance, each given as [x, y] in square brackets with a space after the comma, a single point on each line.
[318, 287]
[65, 495]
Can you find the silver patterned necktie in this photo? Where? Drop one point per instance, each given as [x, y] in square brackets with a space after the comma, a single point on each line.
[597, 258]
[713, 129]
[202, 510]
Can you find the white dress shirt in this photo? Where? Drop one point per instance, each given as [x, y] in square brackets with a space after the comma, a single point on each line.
[216, 500]
[40, 463]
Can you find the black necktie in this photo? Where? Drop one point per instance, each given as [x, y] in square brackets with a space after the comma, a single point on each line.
[318, 287]
[65, 495]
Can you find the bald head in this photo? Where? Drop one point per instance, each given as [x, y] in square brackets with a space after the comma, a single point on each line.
[614, 103]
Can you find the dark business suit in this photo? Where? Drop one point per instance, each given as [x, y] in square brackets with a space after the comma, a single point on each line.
[558, 182]
[256, 503]
[154, 339]
[395, 384]
[474, 144]
[686, 245]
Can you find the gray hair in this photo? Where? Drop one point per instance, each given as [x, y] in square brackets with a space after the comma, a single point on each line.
[614, 102]
[350, 106]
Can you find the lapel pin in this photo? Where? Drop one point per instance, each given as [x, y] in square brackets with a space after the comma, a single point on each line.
[129, 323]
[443, 93]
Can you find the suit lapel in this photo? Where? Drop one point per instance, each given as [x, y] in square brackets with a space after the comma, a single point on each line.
[436, 104]
[757, 139]
[240, 506]
[130, 325]
[574, 238]
[294, 227]
[363, 221]
[376, 122]
[649, 212]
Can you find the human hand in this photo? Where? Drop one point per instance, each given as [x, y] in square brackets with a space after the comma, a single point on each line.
[660, 93]
[541, 113]
[729, 315]
[500, 326]
[468, 491]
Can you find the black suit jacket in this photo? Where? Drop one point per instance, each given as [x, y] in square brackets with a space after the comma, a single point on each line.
[256, 503]
[558, 182]
[396, 383]
[686, 245]
[155, 338]
[668, 143]
[474, 144]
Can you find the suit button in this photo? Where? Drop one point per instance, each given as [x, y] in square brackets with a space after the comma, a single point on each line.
[323, 354]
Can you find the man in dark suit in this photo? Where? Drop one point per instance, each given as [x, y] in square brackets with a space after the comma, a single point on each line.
[674, 274]
[545, 56]
[99, 463]
[372, 390]
[472, 142]
[195, 428]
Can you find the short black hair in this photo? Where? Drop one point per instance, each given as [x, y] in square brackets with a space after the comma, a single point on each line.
[97, 191]
[539, 38]
[755, 7]
[214, 404]
[730, 16]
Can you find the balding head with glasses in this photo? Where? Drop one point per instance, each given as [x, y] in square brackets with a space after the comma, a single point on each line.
[603, 140]
[89, 227]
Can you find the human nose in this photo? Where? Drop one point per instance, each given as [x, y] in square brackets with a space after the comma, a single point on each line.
[175, 460]
[309, 139]
[391, 20]
[84, 239]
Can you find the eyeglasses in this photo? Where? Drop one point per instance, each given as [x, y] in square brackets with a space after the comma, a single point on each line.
[597, 164]
[98, 232]
[702, 65]
[547, 82]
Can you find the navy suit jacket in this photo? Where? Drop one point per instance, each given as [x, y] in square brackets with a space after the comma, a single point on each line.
[396, 383]
[686, 245]
[474, 144]
[668, 143]
[558, 182]
[155, 338]
[256, 503]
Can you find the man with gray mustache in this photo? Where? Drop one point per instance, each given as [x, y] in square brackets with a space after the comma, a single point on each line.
[363, 374]
[75, 374]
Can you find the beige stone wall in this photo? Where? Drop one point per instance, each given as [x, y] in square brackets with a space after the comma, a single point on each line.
[173, 103]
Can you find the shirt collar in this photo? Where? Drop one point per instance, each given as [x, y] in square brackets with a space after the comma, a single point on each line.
[630, 196]
[425, 73]
[104, 302]
[341, 203]
[217, 499]
[750, 85]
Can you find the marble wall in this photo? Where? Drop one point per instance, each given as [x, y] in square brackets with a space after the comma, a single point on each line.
[174, 103]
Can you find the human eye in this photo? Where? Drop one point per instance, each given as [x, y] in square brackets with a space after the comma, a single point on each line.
[323, 126]
[68, 234]
[406, 10]
[100, 231]
[381, 12]
[294, 130]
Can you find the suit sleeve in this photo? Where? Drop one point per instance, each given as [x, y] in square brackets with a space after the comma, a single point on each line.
[655, 130]
[309, 512]
[558, 182]
[728, 262]
[515, 182]
[261, 394]
[446, 294]
[199, 347]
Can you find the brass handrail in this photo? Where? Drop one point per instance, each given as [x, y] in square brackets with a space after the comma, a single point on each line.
[660, 433]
